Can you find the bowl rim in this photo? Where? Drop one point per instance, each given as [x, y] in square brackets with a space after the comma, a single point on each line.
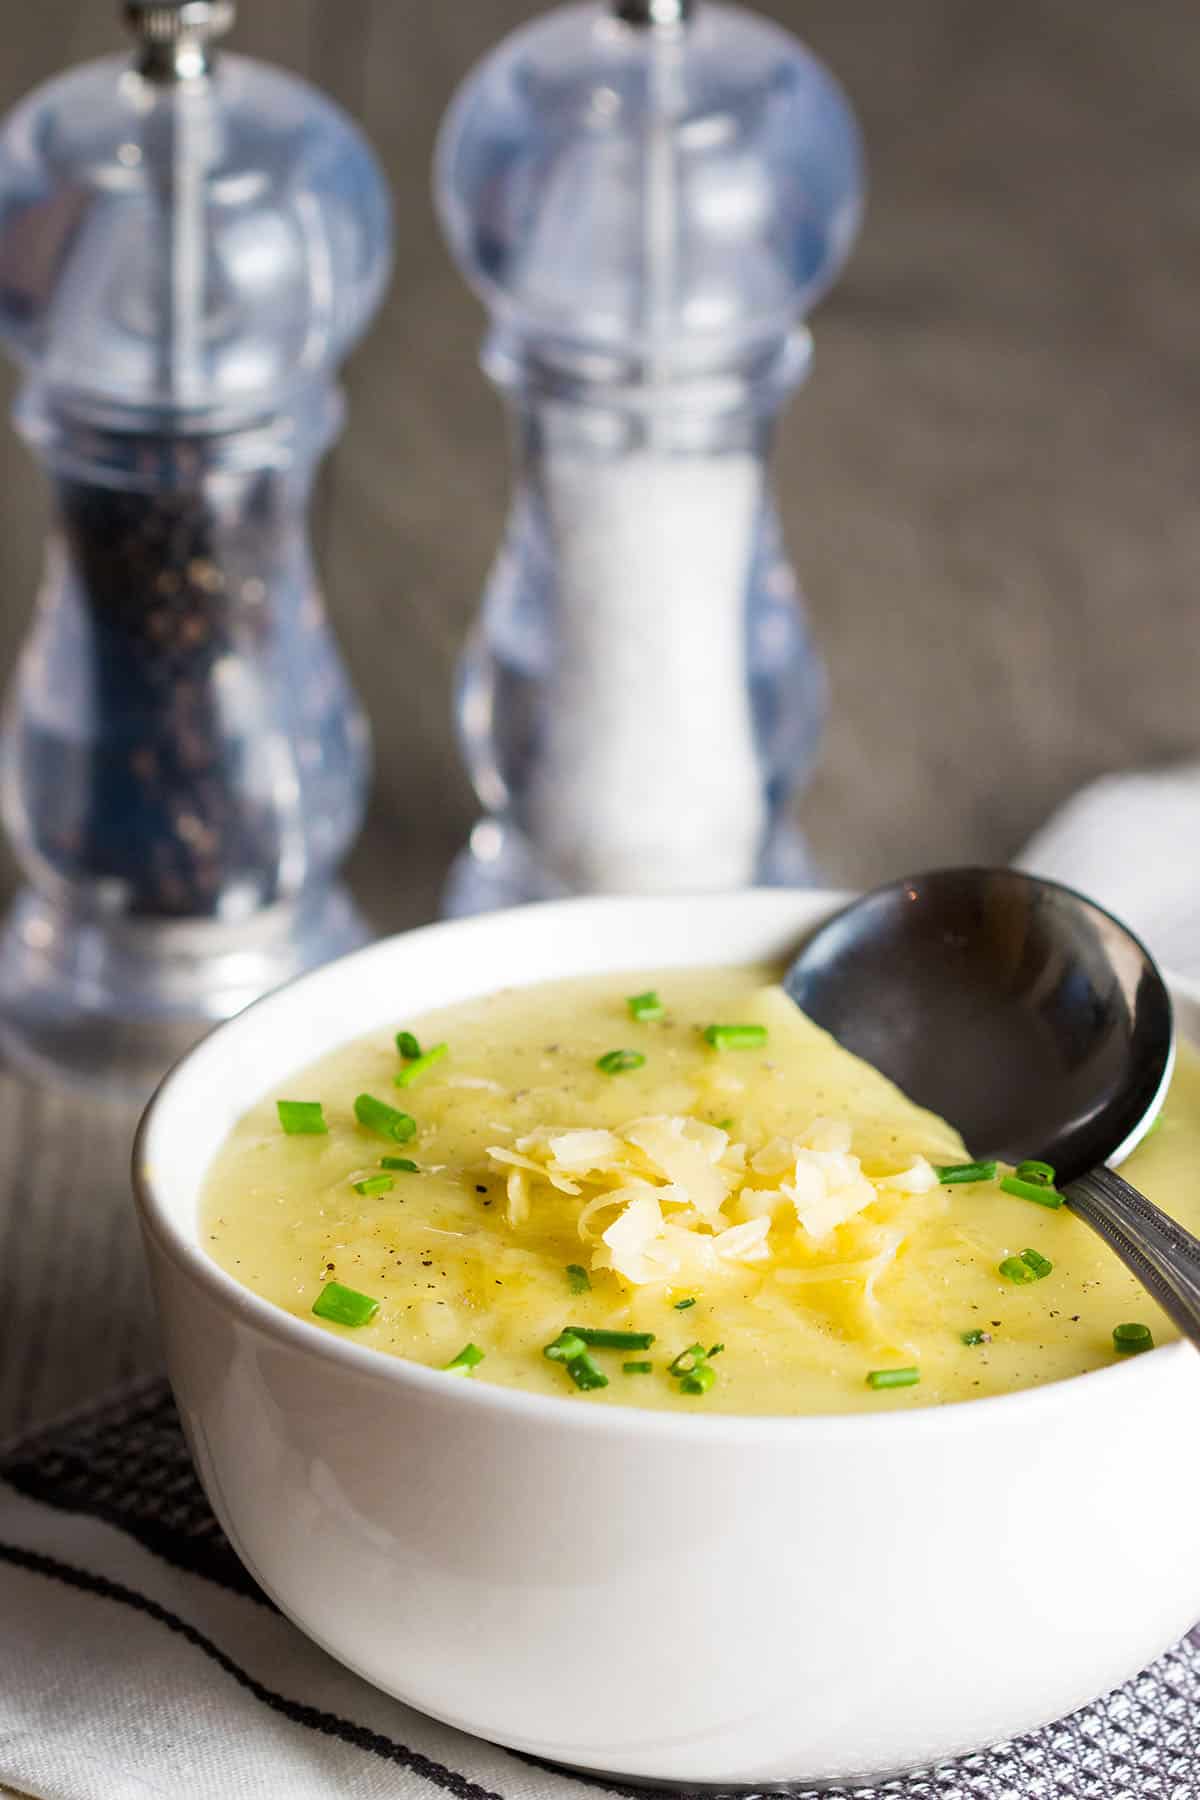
[570, 1411]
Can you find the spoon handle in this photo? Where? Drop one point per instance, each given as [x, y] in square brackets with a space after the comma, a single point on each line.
[1164, 1257]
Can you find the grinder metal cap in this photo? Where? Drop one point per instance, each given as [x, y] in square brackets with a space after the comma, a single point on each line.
[654, 12]
[175, 35]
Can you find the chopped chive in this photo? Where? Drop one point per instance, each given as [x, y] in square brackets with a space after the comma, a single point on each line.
[688, 1360]
[736, 1037]
[468, 1358]
[408, 1046]
[1038, 1191]
[611, 1340]
[619, 1062]
[976, 1337]
[682, 1305]
[584, 1372]
[637, 1368]
[1131, 1340]
[378, 1116]
[578, 1279]
[419, 1065]
[724, 1124]
[893, 1378]
[375, 1184]
[404, 1163]
[951, 1173]
[566, 1346]
[344, 1306]
[715, 1350]
[302, 1118]
[645, 1007]
[1036, 1171]
[699, 1380]
[1031, 1265]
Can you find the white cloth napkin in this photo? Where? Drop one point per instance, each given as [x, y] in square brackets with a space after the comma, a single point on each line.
[137, 1659]
[1132, 842]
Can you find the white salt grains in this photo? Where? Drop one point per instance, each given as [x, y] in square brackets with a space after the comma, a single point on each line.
[649, 781]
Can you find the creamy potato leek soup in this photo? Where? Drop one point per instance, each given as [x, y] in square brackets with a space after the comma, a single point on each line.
[671, 1190]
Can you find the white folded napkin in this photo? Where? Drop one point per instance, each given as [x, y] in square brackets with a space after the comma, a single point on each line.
[1132, 842]
[137, 1659]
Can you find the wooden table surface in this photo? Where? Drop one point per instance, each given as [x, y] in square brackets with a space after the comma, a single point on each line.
[989, 487]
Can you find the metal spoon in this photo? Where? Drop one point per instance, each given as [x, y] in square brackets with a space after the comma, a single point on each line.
[1029, 1018]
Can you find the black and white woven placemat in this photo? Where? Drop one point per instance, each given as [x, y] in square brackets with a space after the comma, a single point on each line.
[137, 1658]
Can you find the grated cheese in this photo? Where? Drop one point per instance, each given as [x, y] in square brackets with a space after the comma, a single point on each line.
[690, 1202]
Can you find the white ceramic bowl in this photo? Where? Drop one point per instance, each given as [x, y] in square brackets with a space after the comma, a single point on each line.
[688, 1598]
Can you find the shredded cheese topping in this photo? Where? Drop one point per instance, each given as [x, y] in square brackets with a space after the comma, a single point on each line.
[671, 1198]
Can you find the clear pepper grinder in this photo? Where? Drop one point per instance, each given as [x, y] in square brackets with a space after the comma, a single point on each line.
[190, 243]
[649, 196]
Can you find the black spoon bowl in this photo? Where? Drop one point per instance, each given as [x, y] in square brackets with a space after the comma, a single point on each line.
[1031, 1019]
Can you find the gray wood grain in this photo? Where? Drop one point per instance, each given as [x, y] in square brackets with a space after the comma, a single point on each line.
[988, 485]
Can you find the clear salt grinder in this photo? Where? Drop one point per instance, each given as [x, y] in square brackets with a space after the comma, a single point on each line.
[189, 245]
[649, 196]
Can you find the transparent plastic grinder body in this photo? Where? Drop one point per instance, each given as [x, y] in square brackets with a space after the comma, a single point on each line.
[649, 197]
[189, 245]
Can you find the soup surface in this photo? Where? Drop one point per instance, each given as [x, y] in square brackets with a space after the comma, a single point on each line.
[766, 1193]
